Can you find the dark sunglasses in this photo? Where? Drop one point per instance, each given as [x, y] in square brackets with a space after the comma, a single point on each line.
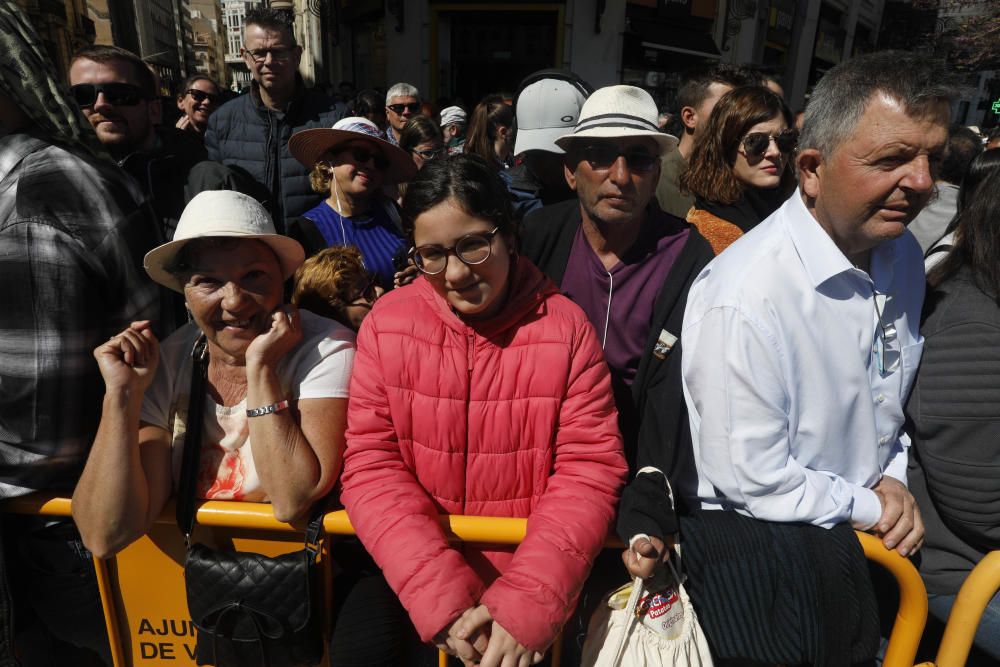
[118, 94]
[414, 107]
[756, 144]
[363, 156]
[602, 156]
[201, 96]
[367, 292]
[431, 154]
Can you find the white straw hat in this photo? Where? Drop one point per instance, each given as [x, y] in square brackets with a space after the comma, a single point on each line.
[308, 146]
[614, 112]
[221, 213]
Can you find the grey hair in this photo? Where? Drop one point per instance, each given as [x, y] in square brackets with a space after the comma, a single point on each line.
[401, 90]
[841, 97]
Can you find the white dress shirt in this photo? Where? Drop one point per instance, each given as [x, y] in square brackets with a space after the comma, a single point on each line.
[793, 415]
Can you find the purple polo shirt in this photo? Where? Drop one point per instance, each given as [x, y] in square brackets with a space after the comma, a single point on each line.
[619, 302]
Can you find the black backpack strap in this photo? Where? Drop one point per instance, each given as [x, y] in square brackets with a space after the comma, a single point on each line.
[192, 438]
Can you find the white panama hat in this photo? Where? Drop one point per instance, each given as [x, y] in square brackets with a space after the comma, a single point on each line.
[615, 112]
[221, 213]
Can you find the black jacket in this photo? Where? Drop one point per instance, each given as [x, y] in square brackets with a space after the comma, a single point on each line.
[654, 422]
[173, 172]
[248, 137]
[953, 417]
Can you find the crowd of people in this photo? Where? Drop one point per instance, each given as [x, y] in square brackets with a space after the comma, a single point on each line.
[542, 307]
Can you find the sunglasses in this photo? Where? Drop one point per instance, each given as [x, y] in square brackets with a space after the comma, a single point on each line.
[366, 293]
[431, 154]
[278, 54]
[471, 249]
[602, 156]
[414, 107]
[363, 156]
[756, 144]
[118, 94]
[201, 96]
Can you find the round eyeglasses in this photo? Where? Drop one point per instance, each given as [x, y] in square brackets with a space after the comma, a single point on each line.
[471, 249]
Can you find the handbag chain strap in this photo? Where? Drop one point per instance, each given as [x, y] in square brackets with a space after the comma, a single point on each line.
[192, 454]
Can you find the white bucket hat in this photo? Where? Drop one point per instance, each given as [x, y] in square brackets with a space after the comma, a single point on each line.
[222, 213]
[546, 110]
[308, 146]
[614, 112]
[453, 115]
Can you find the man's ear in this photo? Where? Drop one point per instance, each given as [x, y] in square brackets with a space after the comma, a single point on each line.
[689, 117]
[810, 165]
[570, 176]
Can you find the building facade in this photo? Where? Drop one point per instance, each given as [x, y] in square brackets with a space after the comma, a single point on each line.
[63, 26]
[208, 35]
[234, 13]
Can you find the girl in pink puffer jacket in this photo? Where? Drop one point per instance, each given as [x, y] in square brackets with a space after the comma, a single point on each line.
[480, 390]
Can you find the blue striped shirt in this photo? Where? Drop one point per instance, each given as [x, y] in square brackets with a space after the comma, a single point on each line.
[376, 236]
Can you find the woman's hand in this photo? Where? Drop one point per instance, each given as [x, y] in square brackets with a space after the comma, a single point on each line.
[406, 276]
[502, 650]
[469, 648]
[646, 556]
[183, 122]
[267, 349]
[128, 361]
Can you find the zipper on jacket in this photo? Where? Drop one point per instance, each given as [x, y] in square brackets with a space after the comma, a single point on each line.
[470, 339]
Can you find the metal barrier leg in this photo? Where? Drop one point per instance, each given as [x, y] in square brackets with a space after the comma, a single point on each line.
[977, 591]
[110, 612]
[912, 614]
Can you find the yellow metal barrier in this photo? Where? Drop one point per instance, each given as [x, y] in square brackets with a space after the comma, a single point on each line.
[267, 535]
[977, 591]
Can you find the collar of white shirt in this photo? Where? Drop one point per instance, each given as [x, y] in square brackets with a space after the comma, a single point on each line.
[821, 257]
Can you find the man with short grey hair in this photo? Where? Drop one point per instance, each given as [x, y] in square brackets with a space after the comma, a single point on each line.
[402, 102]
[803, 338]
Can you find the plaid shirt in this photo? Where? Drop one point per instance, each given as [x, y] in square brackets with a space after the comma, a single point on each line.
[73, 232]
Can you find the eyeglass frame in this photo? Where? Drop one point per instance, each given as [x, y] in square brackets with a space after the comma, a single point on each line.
[368, 289]
[412, 107]
[435, 153]
[583, 150]
[277, 53]
[792, 132]
[109, 97]
[414, 252]
[375, 156]
[214, 98]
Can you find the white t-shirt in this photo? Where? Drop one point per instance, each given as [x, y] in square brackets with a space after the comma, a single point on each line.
[318, 367]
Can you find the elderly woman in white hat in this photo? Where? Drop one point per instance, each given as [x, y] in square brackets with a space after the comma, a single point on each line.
[353, 166]
[276, 383]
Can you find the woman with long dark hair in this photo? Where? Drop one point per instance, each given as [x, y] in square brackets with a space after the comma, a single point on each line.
[954, 412]
[739, 169]
[480, 389]
[491, 132]
[982, 166]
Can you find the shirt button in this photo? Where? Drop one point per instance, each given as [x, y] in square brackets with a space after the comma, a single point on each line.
[880, 399]
[883, 440]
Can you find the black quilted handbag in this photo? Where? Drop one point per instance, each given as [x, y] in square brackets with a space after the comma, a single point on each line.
[250, 610]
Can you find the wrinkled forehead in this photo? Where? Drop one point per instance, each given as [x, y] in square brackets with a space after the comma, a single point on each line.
[259, 37]
[402, 99]
[215, 253]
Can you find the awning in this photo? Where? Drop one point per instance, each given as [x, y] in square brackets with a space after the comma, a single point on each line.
[662, 38]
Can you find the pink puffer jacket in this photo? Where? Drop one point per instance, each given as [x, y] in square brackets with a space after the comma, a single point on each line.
[514, 418]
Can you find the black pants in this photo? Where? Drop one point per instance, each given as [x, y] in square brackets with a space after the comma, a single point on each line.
[56, 608]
